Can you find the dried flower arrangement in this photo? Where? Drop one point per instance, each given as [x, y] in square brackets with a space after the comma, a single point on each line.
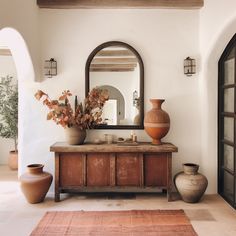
[85, 115]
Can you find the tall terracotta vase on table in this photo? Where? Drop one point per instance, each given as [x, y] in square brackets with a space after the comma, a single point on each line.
[156, 122]
[35, 183]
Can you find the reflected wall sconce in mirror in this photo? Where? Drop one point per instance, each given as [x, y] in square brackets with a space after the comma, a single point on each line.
[135, 99]
[189, 66]
[50, 68]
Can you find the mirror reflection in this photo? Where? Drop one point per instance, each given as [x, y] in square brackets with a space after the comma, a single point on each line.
[116, 68]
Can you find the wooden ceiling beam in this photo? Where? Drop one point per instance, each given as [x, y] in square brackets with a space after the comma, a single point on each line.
[108, 66]
[114, 53]
[63, 4]
[111, 69]
[109, 60]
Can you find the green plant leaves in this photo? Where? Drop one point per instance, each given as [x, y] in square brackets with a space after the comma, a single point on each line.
[8, 108]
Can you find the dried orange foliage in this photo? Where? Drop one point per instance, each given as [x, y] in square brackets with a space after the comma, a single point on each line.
[85, 115]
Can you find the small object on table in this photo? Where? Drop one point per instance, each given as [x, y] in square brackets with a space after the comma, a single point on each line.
[134, 138]
[97, 141]
[108, 138]
[128, 140]
[120, 140]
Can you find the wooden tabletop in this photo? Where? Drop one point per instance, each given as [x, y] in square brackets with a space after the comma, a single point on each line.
[114, 147]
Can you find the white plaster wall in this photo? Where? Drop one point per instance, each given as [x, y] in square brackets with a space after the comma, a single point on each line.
[162, 37]
[217, 27]
[7, 67]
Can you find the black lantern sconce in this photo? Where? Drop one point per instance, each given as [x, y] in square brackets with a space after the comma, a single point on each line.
[50, 68]
[135, 99]
[189, 66]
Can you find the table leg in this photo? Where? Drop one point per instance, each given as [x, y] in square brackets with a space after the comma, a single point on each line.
[169, 177]
[57, 168]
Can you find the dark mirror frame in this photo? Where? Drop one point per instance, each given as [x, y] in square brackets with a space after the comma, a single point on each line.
[141, 81]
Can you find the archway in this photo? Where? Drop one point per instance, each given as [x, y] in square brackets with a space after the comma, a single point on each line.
[25, 73]
[116, 95]
[208, 87]
[227, 122]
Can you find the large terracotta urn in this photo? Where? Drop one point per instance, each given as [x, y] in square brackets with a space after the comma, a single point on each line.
[190, 184]
[35, 183]
[156, 121]
[75, 135]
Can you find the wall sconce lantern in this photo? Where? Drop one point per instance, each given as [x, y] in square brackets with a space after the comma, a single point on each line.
[50, 68]
[189, 66]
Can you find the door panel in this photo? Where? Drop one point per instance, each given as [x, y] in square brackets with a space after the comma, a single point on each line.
[229, 157]
[229, 186]
[98, 169]
[229, 71]
[229, 129]
[155, 166]
[229, 100]
[128, 169]
[71, 169]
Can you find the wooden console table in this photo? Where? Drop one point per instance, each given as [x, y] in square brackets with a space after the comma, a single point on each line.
[113, 168]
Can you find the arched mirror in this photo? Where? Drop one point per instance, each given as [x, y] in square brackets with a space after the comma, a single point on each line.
[118, 68]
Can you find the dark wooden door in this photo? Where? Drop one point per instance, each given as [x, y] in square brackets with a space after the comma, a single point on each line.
[227, 123]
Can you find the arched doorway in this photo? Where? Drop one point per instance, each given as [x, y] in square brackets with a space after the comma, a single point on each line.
[8, 109]
[117, 101]
[227, 123]
[15, 42]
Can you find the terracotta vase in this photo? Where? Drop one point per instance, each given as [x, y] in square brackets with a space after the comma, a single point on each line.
[35, 183]
[74, 135]
[190, 184]
[13, 160]
[156, 121]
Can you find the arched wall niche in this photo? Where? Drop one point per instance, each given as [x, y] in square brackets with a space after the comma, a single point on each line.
[25, 75]
[208, 89]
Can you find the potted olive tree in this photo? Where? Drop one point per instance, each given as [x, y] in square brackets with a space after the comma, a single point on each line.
[9, 116]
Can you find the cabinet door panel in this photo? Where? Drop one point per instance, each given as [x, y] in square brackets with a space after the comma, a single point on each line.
[71, 169]
[155, 169]
[98, 169]
[128, 169]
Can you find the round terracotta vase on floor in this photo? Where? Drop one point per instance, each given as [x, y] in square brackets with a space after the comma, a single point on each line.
[156, 121]
[190, 184]
[75, 135]
[35, 183]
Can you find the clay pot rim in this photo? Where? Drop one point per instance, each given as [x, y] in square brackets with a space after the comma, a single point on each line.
[13, 151]
[190, 164]
[75, 126]
[155, 99]
[35, 166]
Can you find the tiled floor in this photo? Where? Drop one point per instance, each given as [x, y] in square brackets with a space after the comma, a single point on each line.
[211, 217]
